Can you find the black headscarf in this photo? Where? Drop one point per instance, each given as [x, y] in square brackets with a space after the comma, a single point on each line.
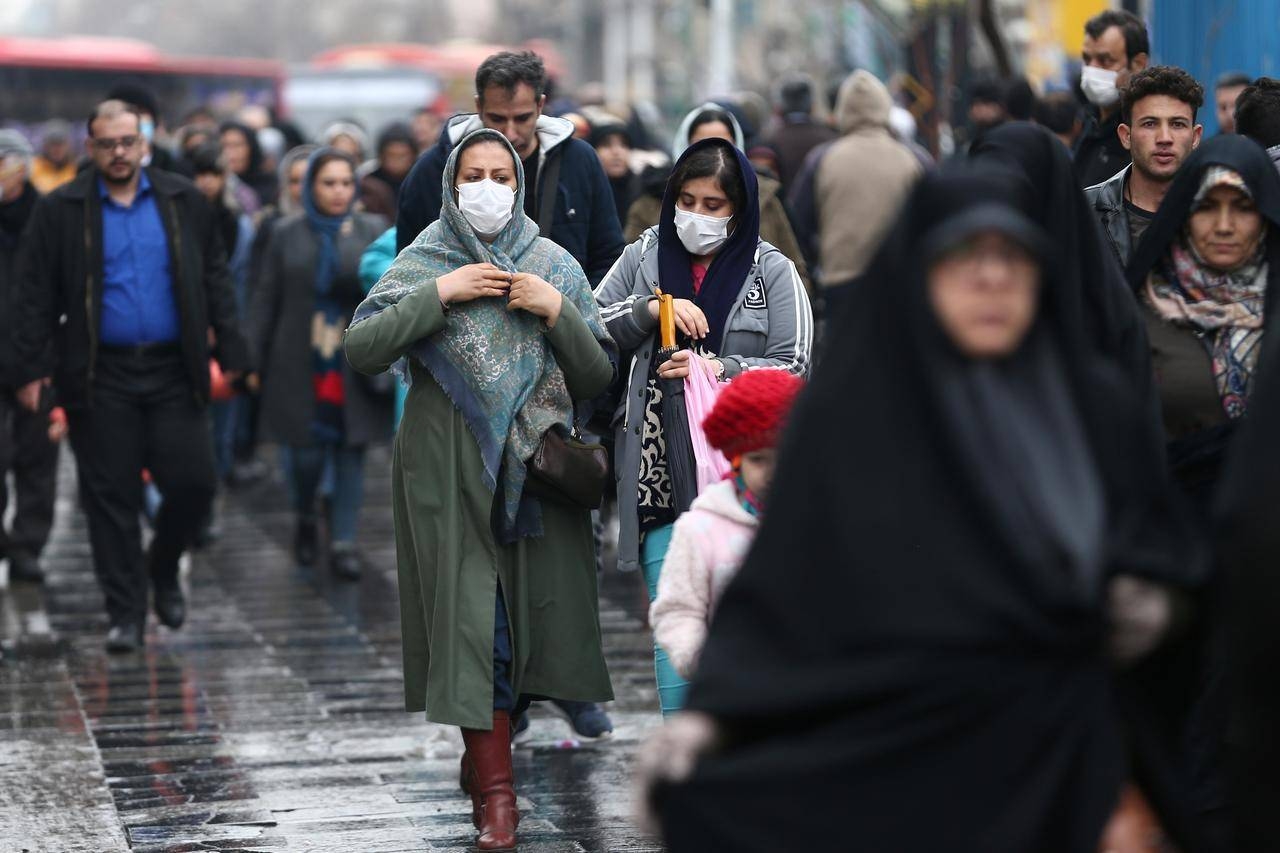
[262, 183]
[1091, 283]
[727, 274]
[912, 644]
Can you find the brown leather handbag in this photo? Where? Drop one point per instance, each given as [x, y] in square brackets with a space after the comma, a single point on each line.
[568, 470]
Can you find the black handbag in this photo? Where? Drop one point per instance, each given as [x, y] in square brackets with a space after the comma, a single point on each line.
[568, 470]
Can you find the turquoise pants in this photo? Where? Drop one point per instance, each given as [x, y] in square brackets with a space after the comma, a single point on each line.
[671, 687]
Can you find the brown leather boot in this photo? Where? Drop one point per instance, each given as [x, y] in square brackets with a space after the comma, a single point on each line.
[489, 754]
[466, 781]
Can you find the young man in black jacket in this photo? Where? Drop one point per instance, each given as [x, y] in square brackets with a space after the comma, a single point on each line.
[124, 270]
[577, 212]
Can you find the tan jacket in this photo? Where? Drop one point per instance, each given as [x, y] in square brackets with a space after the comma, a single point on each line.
[861, 182]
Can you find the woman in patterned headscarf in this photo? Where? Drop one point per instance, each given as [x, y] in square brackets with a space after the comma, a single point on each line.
[1201, 278]
[497, 330]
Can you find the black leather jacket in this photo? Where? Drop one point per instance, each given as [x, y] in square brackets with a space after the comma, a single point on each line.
[1107, 201]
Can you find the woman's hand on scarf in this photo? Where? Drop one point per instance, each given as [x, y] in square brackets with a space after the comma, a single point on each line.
[535, 295]
[681, 362]
[689, 318]
[668, 758]
[474, 281]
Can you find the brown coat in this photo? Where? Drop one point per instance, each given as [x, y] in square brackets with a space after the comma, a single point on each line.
[861, 182]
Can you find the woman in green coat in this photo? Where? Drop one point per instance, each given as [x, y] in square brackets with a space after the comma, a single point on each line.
[497, 332]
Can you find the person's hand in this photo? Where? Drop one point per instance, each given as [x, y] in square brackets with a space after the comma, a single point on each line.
[57, 425]
[689, 318]
[29, 394]
[669, 757]
[474, 281]
[253, 383]
[535, 295]
[681, 362]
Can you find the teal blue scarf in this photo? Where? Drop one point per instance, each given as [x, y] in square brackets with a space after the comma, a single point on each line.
[495, 365]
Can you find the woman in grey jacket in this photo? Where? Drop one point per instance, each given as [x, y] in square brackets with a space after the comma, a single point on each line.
[740, 305]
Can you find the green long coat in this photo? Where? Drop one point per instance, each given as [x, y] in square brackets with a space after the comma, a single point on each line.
[448, 559]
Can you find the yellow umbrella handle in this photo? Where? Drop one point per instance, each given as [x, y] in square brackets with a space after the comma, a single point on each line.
[666, 320]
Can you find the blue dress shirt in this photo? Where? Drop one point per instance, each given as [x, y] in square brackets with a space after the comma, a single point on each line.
[138, 305]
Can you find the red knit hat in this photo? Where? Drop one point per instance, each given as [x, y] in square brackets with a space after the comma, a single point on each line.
[749, 414]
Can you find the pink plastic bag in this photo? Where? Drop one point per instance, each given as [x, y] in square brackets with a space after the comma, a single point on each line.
[700, 392]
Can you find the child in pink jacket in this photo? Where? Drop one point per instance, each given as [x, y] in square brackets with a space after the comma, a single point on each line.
[711, 540]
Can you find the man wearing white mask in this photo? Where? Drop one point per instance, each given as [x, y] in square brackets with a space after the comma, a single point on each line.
[1115, 48]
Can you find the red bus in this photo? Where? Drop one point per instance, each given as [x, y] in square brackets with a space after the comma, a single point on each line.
[65, 77]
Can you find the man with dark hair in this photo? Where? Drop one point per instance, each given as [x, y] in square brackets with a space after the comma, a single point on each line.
[1159, 129]
[1225, 93]
[569, 196]
[1115, 48]
[124, 271]
[1257, 115]
[142, 99]
[799, 132]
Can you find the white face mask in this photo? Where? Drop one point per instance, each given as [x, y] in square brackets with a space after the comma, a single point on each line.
[700, 234]
[488, 206]
[1099, 86]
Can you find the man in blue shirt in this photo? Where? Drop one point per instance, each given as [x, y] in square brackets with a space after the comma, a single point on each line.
[124, 270]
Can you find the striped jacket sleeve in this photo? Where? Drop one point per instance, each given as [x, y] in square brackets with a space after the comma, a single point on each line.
[624, 298]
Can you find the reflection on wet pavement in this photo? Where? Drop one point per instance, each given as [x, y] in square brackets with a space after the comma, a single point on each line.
[273, 720]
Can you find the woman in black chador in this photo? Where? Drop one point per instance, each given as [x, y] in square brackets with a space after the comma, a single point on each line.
[917, 655]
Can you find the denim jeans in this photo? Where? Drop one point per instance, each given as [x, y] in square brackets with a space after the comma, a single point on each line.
[671, 687]
[306, 466]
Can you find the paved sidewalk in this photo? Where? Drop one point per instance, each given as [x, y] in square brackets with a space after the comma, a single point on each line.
[273, 720]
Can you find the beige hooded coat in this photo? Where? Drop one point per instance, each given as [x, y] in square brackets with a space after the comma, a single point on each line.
[862, 180]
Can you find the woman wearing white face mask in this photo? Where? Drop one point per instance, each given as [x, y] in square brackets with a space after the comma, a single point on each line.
[498, 333]
[740, 305]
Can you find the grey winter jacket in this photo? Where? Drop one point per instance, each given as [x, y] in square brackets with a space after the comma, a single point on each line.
[770, 326]
[1107, 200]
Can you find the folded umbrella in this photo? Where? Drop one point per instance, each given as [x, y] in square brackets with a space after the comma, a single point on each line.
[682, 467]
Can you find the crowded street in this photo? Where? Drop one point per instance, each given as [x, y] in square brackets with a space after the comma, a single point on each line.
[274, 720]
[661, 427]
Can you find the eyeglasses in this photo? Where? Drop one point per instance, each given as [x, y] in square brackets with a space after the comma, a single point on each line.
[125, 142]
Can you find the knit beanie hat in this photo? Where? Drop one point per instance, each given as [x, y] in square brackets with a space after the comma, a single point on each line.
[749, 414]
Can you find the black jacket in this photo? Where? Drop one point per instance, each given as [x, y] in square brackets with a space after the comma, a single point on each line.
[14, 215]
[61, 272]
[585, 222]
[1107, 201]
[1098, 154]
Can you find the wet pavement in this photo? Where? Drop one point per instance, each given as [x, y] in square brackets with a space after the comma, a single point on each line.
[274, 719]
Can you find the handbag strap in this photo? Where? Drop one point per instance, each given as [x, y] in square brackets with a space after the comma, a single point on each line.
[549, 189]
